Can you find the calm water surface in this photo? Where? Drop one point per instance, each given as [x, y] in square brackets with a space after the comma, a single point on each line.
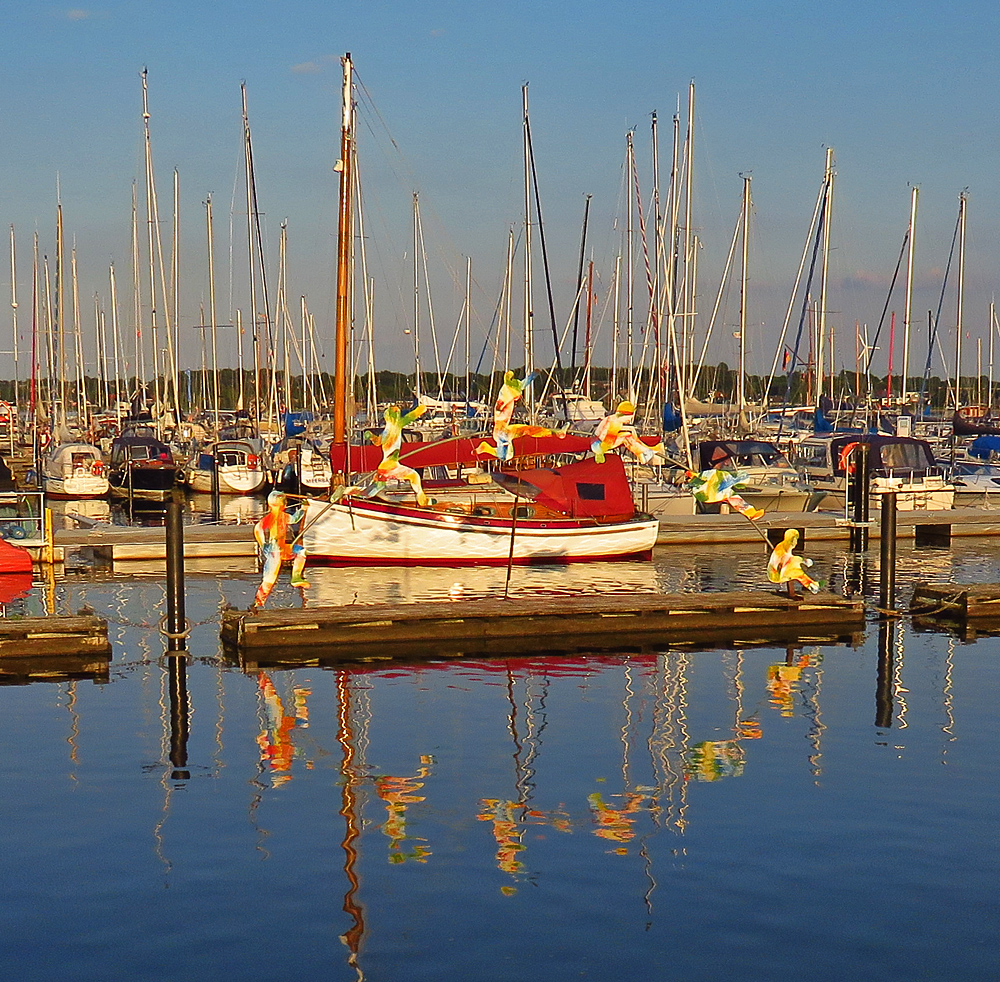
[673, 815]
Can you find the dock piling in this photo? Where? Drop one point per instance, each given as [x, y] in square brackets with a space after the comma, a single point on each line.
[176, 631]
[887, 553]
[857, 498]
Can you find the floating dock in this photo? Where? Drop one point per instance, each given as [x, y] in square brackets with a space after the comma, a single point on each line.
[972, 609]
[313, 635]
[930, 527]
[53, 648]
[109, 544]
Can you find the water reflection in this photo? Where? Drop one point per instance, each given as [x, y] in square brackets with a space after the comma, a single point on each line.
[580, 802]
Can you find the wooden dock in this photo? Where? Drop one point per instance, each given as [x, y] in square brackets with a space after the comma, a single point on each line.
[53, 648]
[313, 635]
[110, 544]
[116, 543]
[977, 603]
[938, 527]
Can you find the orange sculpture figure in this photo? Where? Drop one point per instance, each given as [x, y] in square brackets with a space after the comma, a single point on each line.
[504, 431]
[271, 533]
[617, 430]
[391, 440]
[783, 567]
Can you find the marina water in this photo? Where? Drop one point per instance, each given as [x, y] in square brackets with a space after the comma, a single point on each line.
[664, 814]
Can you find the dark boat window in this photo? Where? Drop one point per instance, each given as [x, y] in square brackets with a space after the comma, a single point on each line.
[903, 456]
[590, 492]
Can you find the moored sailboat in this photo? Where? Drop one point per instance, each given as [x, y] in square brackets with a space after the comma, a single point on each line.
[577, 512]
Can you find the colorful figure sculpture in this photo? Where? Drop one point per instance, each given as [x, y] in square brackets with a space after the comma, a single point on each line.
[391, 437]
[391, 440]
[505, 432]
[784, 567]
[392, 470]
[617, 430]
[716, 485]
[271, 533]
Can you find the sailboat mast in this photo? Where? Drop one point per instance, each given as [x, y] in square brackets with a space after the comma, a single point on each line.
[989, 348]
[150, 221]
[114, 339]
[343, 325]
[416, 294]
[528, 313]
[741, 380]
[60, 313]
[468, 330]
[13, 309]
[960, 302]
[907, 309]
[82, 408]
[251, 264]
[211, 313]
[690, 287]
[824, 274]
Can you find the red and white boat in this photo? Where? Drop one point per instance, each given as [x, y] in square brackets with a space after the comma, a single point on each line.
[575, 513]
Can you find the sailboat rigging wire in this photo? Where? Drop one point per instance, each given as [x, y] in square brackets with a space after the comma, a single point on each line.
[937, 318]
[892, 286]
[802, 318]
[545, 255]
[820, 198]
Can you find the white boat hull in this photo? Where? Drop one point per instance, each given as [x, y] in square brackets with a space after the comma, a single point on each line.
[369, 532]
[232, 480]
[77, 486]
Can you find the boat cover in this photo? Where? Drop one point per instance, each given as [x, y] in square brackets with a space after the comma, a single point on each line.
[585, 489]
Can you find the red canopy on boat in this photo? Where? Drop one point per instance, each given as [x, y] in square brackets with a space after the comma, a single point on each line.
[456, 450]
[585, 489]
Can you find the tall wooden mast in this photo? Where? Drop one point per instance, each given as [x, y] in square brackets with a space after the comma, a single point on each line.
[343, 264]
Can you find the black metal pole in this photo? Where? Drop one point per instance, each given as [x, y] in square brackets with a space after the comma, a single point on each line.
[883, 685]
[857, 491]
[887, 553]
[180, 712]
[176, 619]
[216, 504]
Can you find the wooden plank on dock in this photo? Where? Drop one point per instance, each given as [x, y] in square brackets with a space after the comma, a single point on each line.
[567, 623]
[954, 601]
[35, 638]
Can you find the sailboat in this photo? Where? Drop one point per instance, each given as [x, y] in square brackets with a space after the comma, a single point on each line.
[72, 468]
[576, 512]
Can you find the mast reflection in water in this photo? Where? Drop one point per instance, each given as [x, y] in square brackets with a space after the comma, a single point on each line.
[695, 814]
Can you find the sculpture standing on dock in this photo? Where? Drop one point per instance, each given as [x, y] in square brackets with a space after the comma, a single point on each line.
[504, 431]
[716, 485]
[271, 533]
[784, 567]
[617, 430]
[391, 440]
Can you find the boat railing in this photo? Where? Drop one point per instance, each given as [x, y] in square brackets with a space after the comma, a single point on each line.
[22, 517]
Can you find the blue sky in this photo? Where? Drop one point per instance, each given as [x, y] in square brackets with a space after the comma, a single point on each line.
[904, 93]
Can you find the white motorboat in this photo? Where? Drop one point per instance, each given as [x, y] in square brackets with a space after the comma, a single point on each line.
[75, 470]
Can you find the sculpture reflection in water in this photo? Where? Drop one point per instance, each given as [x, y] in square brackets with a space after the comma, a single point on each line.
[275, 740]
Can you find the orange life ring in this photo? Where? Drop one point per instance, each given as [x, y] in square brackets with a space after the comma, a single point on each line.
[97, 468]
[844, 462]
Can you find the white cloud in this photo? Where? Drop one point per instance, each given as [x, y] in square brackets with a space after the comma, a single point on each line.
[78, 14]
[306, 68]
